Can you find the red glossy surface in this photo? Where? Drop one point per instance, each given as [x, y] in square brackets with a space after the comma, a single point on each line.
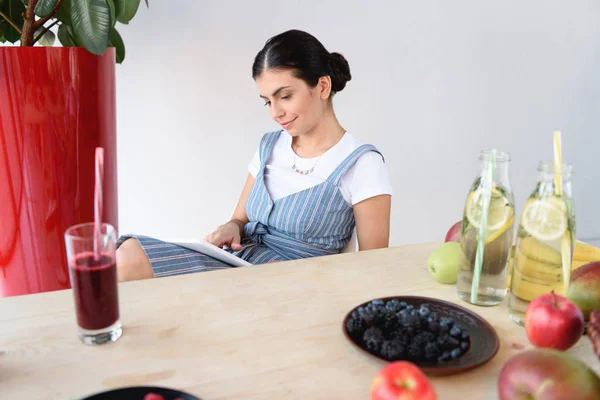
[56, 105]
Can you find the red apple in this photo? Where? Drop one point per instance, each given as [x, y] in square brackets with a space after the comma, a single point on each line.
[553, 321]
[453, 234]
[543, 374]
[153, 396]
[402, 380]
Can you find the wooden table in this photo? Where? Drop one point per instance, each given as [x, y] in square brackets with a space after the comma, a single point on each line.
[265, 332]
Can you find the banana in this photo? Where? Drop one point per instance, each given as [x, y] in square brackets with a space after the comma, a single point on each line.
[538, 251]
[578, 263]
[586, 252]
[537, 270]
[528, 289]
[533, 251]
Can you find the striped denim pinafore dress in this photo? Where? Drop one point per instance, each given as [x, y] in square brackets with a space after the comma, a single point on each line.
[313, 222]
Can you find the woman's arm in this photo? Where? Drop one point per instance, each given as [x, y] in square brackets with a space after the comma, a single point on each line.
[239, 214]
[373, 222]
[230, 233]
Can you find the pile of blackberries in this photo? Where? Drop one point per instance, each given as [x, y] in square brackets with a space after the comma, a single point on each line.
[399, 331]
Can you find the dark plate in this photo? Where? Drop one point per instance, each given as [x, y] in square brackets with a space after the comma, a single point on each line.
[484, 340]
[139, 392]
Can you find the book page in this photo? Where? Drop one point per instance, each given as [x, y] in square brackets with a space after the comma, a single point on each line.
[211, 250]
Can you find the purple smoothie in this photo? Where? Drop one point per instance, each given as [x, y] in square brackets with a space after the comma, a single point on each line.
[95, 290]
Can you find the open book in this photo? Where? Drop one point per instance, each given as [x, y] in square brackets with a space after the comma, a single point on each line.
[210, 250]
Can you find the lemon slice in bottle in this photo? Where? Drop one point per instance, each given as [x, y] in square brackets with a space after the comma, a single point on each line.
[545, 219]
[500, 217]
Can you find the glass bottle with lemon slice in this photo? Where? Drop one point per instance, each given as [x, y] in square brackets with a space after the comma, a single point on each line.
[547, 222]
[498, 234]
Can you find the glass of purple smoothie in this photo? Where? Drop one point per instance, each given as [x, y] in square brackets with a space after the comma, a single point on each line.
[93, 274]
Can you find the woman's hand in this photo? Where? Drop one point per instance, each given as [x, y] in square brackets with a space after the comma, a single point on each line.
[228, 234]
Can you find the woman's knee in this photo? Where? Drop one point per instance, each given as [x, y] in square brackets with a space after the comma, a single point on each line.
[132, 262]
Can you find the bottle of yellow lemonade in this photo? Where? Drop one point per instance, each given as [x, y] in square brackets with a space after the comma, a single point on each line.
[498, 236]
[545, 240]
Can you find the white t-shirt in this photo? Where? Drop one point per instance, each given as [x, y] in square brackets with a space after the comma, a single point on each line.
[368, 176]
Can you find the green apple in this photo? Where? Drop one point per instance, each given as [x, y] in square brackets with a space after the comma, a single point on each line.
[444, 262]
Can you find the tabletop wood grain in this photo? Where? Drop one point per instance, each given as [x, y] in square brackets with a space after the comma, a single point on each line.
[265, 332]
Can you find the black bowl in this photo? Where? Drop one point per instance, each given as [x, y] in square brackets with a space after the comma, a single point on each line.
[139, 392]
[483, 337]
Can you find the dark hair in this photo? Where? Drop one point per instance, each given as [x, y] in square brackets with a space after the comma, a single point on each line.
[306, 56]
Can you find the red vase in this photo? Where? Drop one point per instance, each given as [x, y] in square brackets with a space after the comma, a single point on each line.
[56, 105]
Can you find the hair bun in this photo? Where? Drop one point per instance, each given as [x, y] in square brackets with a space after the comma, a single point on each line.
[340, 72]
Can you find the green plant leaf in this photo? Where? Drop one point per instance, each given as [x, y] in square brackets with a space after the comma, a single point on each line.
[65, 36]
[115, 40]
[44, 7]
[113, 12]
[126, 10]
[48, 39]
[2, 23]
[91, 24]
[64, 12]
[13, 10]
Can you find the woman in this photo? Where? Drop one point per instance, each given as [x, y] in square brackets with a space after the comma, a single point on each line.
[309, 185]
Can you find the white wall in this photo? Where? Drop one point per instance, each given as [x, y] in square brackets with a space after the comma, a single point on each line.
[433, 83]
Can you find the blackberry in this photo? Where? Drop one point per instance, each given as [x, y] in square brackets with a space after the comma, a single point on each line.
[411, 331]
[387, 320]
[422, 338]
[374, 308]
[432, 351]
[410, 321]
[369, 317]
[355, 326]
[447, 342]
[393, 305]
[400, 335]
[433, 326]
[392, 350]
[456, 332]
[415, 352]
[378, 302]
[373, 338]
[402, 314]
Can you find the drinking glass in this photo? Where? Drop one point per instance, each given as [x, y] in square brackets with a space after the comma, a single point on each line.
[93, 274]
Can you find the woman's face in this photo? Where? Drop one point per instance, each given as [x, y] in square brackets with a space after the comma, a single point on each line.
[291, 102]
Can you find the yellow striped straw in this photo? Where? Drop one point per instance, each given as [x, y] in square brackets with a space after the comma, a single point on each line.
[564, 244]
